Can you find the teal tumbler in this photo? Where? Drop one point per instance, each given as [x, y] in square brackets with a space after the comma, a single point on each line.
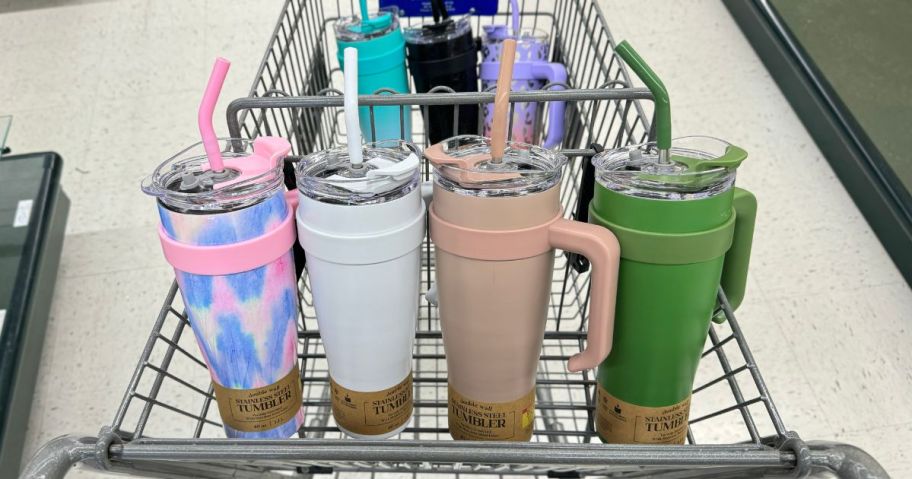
[381, 65]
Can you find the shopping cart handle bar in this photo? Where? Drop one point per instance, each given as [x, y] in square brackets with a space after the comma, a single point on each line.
[439, 98]
[420, 99]
[54, 459]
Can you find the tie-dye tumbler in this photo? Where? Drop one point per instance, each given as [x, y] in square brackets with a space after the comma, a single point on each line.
[228, 234]
[531, 71]
[361, 222]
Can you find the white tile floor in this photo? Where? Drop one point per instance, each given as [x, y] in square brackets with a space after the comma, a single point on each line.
[112, 86]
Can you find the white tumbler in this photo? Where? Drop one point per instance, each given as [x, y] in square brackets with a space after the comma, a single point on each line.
[361, 224]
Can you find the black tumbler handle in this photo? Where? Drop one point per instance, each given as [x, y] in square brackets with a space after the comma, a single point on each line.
[586, 190]
[288, 171]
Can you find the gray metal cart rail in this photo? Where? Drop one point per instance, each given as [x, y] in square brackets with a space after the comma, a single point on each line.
[167, 425]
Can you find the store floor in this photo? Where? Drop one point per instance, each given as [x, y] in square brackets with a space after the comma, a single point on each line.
[113, 86]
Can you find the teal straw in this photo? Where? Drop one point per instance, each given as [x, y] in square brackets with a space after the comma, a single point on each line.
[370, 24]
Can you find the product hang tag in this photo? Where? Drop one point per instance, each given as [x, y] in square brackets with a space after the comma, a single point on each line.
[263, 408]
[372, 413]
[621, 422]
[422, 8]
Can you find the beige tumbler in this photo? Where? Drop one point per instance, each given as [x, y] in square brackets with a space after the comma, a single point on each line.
[495, 224]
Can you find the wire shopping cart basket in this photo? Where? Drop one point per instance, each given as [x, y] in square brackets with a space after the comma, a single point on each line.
[168, 426]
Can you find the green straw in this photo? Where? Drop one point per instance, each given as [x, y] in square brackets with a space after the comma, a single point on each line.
[659, 93]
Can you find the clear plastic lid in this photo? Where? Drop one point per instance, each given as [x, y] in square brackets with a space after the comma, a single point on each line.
[443, 31]
[352, 29]
[390, 170]
[184, 182]
[463, 164]
[531, 44]
[499, 33]
[698, 167]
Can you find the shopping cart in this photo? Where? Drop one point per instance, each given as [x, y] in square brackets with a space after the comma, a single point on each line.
[167, 425]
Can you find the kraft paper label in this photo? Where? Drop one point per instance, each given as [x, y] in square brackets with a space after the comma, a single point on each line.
[620, 422]
[487, 421]
[372, 413]
[260, 409]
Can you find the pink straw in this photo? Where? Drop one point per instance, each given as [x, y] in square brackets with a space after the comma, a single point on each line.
[207, 108]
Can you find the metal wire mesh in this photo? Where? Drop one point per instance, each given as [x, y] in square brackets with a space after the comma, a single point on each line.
[170, 395]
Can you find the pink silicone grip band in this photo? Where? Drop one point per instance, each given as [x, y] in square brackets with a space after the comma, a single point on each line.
[230, 258]
[601, 247]
[491, 245]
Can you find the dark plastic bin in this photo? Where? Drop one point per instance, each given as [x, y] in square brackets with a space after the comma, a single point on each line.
[33, 212]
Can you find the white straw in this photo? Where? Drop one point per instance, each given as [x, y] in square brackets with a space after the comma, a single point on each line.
[350, 72]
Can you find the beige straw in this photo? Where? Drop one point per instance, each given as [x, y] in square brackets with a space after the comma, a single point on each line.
[501, 101]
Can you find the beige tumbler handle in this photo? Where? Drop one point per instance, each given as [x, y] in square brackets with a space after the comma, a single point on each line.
[601, 247]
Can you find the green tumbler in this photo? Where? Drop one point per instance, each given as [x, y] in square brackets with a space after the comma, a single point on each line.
[684, 229]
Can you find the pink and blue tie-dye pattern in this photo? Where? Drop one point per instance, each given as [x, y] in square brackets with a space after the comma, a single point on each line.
[244, 323]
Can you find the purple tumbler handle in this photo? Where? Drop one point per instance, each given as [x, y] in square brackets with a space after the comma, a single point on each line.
[540, 71]
[553, 73]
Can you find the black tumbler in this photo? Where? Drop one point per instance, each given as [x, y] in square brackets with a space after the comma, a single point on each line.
[445, 54]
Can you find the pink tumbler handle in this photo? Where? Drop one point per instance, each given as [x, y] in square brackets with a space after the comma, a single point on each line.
[601, 247]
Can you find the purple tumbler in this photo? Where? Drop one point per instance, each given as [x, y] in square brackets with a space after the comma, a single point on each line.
[531, 71]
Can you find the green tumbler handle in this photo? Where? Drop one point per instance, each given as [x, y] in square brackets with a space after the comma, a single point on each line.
[737, 259]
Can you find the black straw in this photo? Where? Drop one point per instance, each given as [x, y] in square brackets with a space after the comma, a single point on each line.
[438, 9]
